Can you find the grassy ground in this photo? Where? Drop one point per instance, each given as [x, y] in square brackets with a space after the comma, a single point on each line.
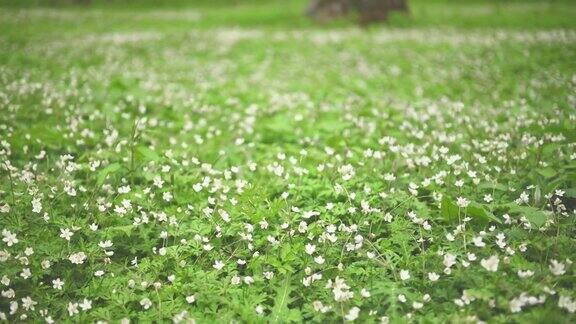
[237, 162]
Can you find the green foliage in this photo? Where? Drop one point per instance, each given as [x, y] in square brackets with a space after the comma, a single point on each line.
[281, 312]
[235, 162]
[105, 172]
[536, 216]
[449, 210]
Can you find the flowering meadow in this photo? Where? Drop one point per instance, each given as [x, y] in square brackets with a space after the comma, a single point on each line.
[241, 164]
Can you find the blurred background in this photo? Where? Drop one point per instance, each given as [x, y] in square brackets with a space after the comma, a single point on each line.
[297, 13]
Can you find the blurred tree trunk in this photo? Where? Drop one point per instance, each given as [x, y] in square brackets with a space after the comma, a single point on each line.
[368, 11]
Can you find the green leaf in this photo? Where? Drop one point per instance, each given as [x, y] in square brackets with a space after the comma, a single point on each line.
[109, 169]
[478, 212]
[280, 124]
[332, 126]
[547, 172]
[482, 294]
[125, 229]
[536, 216]
[448, 209]
[571, 165]
[549, 150]
[149, 154]
[495, 186]
[280, 312]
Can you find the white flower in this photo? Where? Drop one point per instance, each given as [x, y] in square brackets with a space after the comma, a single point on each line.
[13, 307]
[319, 307]
[66, 234]
[347, 172]
[28, 303]
[72, 309]
[388, 217]
[167, 196]
[218, 265]
[365, 293]
[146, 303]
[557, 268]
[124, 189]
[225, 216]
[77, 258]
[567, 303]
[10, 293]
[9, 237]
[207, 247]
[4, 208]
[45, 264]
[57, 284]
[190, 299]
[352, 314]
[105, 244]
[248, 280]
[515, 305]
[490, 264]
[478, 241]
[36, 206]
[268, 275]
[525, 274]
[259, 309]
[26, 273]
[449, 260]
[433, 276]
[404, 275]
[310, 214]
[158, 182]
[462, 202]
[340, 289]
[524, 198]
[86, 304]
[310, 248]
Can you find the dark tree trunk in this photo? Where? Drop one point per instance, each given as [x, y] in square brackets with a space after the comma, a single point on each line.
[368, 11]
[83, 2]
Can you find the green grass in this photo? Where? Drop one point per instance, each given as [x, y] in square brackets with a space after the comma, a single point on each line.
[231, 123]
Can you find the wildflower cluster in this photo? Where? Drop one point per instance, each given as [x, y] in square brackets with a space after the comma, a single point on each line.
[188, 177]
